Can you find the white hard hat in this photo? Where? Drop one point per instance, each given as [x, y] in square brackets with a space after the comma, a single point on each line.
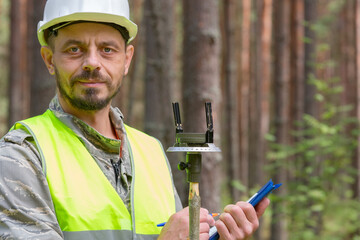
[108, 11]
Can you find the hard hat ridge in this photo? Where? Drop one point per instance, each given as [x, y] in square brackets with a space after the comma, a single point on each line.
[104, 11]
[53, 30]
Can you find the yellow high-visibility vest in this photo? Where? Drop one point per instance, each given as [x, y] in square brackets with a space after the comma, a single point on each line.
[86, 204]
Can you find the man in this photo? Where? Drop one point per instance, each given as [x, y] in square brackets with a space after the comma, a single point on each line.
[77, 172]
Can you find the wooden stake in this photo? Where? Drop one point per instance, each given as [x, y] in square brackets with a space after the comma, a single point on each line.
[194, 211]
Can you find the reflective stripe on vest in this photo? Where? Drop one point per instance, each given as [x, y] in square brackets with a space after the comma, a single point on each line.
[85, 202]
[107, 235]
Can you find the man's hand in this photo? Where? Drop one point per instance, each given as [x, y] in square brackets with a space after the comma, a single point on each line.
[178, 225]
[240, 221]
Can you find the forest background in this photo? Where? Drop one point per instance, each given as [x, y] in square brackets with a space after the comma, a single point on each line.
[283, 77]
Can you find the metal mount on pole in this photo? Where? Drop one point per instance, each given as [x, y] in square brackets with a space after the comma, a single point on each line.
[193, 144]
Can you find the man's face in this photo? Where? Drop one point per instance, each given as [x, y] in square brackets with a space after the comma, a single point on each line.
[89, 61]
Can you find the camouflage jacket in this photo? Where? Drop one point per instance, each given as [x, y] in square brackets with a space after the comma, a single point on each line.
[26, 208]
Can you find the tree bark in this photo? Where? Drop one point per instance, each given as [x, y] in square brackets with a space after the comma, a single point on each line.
[43, 85]
[347, 55]
[254, 101]
[4, 63]
[244, 90]
[297, 63]
[281, 103]
[19, 105]
[263, 79]
[159, 73]
[231, 127]
[309, 90]
[266, 63]
[159, 78]
[297, 59]
[132, 91]
[201, 45]
[262, 83]
[356, 163]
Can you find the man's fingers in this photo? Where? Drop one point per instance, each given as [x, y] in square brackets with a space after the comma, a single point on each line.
[261, 207]
[204, 228]
[222, 230]
[240, 221]
[249, 212]
[206, 217]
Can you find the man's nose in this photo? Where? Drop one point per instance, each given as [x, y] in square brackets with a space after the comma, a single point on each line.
[91, 61]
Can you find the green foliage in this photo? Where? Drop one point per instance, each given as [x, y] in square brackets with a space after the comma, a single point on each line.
[320, 202]
[239, 186]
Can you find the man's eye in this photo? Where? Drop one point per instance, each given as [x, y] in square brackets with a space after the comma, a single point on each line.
[107, 50]
[74, 49]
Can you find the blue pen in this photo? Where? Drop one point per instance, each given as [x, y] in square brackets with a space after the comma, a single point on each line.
[161, 224]
[254, 200]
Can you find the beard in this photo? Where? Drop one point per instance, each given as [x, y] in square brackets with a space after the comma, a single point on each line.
[88, 98]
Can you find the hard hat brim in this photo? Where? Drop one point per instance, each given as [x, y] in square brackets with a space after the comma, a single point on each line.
[88, 16]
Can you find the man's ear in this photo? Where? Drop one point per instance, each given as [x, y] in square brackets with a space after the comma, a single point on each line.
[129, 54]
[47, 56]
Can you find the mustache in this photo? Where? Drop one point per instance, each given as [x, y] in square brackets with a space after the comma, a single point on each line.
[88, 75]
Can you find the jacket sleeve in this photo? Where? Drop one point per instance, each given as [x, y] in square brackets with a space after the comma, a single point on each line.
[26, 208]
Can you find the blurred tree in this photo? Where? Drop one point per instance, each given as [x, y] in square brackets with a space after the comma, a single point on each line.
[231, 123]
[19, 104]
[4, 63]
[42, 83]
[356, 162]
[310, 13]
[297, 62]
[260, 91]
[281, 90]
[159, 73]
[30, 88]
[130, 97]
[244, 90]
[201, 83]
[160, 78]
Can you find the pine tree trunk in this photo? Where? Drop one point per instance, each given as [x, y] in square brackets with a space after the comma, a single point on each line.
[201, 83]
[297, 59]
[231, 127]
[281, 104]
[4, 62]
[131, 89]
[19, 105]
[244, 90]
[266, 62]
[309, 90]
[254, 102]
[159, 70]
[356, 164]
[159, 78]
[43, 85]
[263, 79]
